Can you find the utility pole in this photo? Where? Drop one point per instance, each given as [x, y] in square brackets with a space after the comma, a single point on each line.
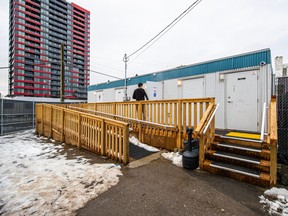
[125, 59]
[62, 74]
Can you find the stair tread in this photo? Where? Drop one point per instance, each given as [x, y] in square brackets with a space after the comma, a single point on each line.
[238, 146]
[235, 168]
[235, 156]
[249, 175]
[242, 139]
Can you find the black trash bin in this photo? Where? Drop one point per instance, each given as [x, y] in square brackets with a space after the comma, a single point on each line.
[190, 156]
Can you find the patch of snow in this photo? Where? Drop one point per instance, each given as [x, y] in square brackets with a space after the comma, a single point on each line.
[275, 201]
[176, 158]
[135, 141]
[36, 179]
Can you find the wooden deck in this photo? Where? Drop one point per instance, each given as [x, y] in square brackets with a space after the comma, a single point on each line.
[104, 128]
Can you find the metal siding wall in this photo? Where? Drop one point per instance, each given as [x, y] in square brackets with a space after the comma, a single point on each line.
[220, 98]
[108, 95]
[171, 89]
[91, 97]
[210, 85]
[230, 63]
[264, 89]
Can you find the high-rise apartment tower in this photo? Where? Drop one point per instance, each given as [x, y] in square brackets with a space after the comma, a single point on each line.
[37, 29]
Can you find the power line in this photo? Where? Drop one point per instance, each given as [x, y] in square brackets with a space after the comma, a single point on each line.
[114, 70]
[3, 68]
[167, 28]
[105, 74]
[73, 65]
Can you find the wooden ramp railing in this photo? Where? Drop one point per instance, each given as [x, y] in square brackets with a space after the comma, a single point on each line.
[104, 127]
[97, 134]
[143, 128]
[178, 114]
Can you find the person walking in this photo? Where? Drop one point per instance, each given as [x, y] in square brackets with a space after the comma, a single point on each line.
[140, 94]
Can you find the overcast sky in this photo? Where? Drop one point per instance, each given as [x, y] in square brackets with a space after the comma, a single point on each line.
[214, 29]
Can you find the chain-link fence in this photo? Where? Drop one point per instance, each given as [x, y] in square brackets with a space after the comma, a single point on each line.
[282, 119]
[16, 115]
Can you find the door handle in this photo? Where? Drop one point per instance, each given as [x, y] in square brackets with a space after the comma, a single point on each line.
[230, 101]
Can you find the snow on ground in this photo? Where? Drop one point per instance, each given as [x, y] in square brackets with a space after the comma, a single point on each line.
[176, 158]
[135, 141]
[275, 201]
[36, 179]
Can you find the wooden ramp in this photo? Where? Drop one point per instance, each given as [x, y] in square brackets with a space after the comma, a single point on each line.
[104, 128]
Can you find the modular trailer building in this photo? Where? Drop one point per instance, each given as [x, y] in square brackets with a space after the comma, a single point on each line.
[240, 83]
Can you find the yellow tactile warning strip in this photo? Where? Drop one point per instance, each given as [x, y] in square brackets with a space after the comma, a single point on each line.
[244, 135]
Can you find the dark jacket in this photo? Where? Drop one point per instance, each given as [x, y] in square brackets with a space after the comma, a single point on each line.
[139, 94]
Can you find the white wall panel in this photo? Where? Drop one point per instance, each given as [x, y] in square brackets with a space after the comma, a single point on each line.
[213, 86]
[108, 95]
[171, 89]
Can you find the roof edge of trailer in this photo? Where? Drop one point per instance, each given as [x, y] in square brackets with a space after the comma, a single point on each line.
[244, 60]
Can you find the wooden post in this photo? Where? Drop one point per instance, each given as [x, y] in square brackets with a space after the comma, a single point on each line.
[51, 122]
[103, 138]
[63, 125]
[179, 116]
[42, 120]
[140, 132]
[79, 130]
[273, 163]
[212, 129]
[114, 108]
[272, 139]
[126, 145]
[140, 110]
[201, 152]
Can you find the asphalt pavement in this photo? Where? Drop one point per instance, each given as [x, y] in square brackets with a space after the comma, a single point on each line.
[161, 188]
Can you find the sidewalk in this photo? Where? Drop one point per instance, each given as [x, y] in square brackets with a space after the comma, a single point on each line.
[161, 188]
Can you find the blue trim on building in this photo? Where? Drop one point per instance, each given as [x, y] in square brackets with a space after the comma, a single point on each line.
[245, 60]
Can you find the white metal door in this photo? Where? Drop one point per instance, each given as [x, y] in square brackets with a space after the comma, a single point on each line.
[193, 88]
[99, 96]
[119, 95]
[241, 101]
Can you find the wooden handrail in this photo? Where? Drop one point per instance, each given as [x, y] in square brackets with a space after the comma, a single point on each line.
[200, 127]
[211, 118]
[124, 118]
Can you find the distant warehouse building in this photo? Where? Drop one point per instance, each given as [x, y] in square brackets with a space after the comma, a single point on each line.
[240, 83]
[36, 30]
